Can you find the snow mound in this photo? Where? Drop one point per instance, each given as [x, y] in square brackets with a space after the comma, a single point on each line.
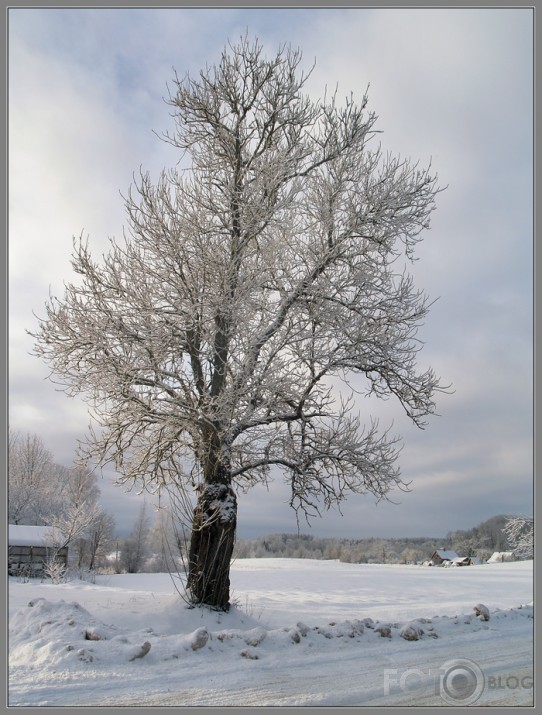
[482, 611]
[65, 635]
[61, 634]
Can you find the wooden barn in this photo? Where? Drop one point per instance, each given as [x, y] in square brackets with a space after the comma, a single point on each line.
[31, 547]
[441, 557]
[465, 561]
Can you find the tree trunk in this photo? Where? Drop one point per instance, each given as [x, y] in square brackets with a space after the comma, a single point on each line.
[211, 546]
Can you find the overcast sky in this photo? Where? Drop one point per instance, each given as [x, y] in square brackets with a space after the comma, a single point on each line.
[450, 86]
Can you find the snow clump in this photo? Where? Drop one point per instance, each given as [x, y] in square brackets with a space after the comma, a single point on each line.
[482, 611]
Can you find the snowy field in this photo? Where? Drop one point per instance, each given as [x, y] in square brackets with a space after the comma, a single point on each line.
[302, 633]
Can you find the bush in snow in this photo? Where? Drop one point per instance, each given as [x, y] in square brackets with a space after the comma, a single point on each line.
[55, 570]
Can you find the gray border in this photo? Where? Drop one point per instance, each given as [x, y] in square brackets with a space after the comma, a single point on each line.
[4, 212]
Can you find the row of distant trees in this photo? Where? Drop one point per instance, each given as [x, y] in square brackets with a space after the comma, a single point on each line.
[156, 544]
[160, 547]
[499, 533]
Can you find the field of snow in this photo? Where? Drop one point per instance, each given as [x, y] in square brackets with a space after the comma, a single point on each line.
[301, 633]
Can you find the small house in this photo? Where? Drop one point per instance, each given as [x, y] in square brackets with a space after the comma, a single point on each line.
[31, 547]
[441, 557]
[501, 556]
[465, 561]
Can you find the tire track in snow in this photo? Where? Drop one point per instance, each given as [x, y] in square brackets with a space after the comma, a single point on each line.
[342, 682]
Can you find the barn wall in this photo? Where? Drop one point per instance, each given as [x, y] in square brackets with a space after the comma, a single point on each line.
[21, 556]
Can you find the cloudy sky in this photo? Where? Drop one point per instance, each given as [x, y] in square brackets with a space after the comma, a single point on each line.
[450, 86]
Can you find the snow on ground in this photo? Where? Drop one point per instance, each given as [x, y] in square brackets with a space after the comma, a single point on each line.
[301, 633]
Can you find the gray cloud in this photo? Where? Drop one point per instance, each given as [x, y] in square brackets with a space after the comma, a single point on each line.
[451, 86]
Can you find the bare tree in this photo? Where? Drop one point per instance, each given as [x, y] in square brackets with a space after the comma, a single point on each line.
[211, 341]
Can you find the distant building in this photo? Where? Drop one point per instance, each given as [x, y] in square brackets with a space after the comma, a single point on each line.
[441, 557]
[500, 556]
[465, 561]
[31, 547]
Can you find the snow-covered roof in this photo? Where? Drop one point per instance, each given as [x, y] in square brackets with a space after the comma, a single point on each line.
[24, 535]
[450, 555]
[500, 556]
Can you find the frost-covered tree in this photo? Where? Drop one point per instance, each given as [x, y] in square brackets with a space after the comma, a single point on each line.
[135, 547]
[210, 343]
[519, 531]
[167, 542]
[78, 509]
[31, 478]
[100, 536]
[92, 544]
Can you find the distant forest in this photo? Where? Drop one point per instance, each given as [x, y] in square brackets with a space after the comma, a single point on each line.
[480, 541]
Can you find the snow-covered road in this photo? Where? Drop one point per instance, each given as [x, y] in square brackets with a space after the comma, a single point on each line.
[390, 675]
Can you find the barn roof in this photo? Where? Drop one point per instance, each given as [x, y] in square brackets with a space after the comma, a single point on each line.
[24, 535]
[446, 555]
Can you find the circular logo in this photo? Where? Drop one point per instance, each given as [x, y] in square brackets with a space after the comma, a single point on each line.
[461, 681]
